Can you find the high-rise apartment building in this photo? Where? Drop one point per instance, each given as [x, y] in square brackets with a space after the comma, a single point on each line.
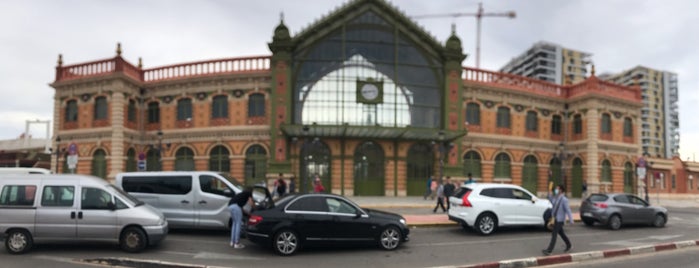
[660, 117]
[550, 62]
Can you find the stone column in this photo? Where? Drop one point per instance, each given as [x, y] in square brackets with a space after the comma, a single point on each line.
[592, 170]
[117, 155]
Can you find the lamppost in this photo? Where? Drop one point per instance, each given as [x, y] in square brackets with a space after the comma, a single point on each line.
[160, 149]
[641, 172]
[562, 155]
[58, 152]
[444, 147]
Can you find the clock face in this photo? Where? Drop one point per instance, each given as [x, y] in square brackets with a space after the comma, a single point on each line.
[370, 91]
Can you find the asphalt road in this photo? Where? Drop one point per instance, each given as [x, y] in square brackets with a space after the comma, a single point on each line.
[688, 257]
[435, 246]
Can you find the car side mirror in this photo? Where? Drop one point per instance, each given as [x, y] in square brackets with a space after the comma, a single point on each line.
[357, 214]
[111, 206]
[534, 199]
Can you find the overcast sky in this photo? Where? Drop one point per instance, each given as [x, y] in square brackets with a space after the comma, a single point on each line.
[620, 34]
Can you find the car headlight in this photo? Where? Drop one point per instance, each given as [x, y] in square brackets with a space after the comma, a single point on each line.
[162, 221]
[402, 221]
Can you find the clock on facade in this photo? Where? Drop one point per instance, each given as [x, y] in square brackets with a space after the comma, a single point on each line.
[369, 92]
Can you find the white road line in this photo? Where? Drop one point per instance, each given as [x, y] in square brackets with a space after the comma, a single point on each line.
[470, 242]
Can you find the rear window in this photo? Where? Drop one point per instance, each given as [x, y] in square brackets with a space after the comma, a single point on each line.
[171, 185]
[461, 192]
[17, 195]
[598, 198]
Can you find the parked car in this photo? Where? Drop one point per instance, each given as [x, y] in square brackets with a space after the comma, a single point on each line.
[488, 206]
[66, 208]
[300, 220]
[617, 209]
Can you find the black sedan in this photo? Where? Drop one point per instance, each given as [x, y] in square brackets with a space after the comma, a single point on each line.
[614, 210]
[323, 220]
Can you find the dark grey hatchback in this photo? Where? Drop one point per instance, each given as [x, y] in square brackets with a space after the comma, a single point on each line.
[302, 220]
[615, 209]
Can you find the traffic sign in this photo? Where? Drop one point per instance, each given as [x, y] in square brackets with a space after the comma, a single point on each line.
[141, 165]
[141, 156]
[73, 148]
[72, 161]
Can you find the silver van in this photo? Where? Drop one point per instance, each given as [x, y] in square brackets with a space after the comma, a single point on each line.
[23, 170]
[39, 208]
[188, 199]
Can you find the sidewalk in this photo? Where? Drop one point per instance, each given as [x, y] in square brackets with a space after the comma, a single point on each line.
[439, 219]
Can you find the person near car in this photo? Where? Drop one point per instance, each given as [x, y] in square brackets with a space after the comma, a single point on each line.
[449, 188]
[235, 206]
[428, 191]
[440, 197]
[560, 211]
[292, 185]
[584, 189]
[280, 185]
[318, 186]
[470, 178]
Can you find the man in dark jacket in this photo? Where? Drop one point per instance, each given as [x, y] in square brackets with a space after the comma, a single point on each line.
[448, 191]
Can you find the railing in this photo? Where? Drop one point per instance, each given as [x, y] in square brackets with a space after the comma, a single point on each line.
[85, 69]
[202, 68]
[511, 81]
[605, 88]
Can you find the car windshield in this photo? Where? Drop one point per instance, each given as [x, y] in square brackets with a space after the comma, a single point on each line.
[598, 198]
[132, 201]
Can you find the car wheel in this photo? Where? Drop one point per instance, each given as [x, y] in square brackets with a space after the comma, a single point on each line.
[486, 223]
[286, 242]
[588, 222]
[659, 220]
[390, 238]
[133, 240]
[614, 222]
[18, 241]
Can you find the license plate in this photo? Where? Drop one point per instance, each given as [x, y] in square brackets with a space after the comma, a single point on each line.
[587, 214]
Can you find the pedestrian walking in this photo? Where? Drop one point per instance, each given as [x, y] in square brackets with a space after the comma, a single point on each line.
[428, 191]
[440, 198]
[235, 206]
[560, 211]
[318, 187]
[584, 189]
[292, 185]
[280, 185]
[448, 191]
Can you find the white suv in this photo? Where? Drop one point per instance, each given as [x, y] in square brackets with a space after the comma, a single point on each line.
[487, 206]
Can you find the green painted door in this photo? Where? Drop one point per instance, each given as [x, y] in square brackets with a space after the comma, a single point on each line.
[420, 165]
[529, 174]
[369, 170]
[577, 173]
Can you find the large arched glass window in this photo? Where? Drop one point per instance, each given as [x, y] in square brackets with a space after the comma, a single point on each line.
[184, 159]
[369, 170]
[131, 160]
[473, 113]
[184, 109]
[99, 164]
[255, 164]
[100, 108]
[368, 48]
[256, 105]
[503, 117]
[606, 171]
[502, 166]
[532, 123]
[219, 160]
[472, 164]
[72, 111]
[219, 107]
[606, 124]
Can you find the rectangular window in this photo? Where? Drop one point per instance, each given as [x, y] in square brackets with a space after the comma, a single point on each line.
[100, 108]
[58, 196]
[256, 105]
[166, 185]
[532, 124]
[17, 195]
[503, 119]
[184, 109]
[153, 112]
[577, 124]
[628, 128]
[72, 111]
[556, 125]
[473, 114]
[132, 111]
[219, 109]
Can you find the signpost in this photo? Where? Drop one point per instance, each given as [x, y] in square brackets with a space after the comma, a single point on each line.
[141, 161]
[72, 157]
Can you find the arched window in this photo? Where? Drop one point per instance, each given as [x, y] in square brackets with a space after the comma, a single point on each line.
[219, 108]
[473, 113]
[420, 164]
[555, 167]
[99, 164]
[132, 111]
[153, 112]
[530, 173]
[556, 125]
[628, 177]
[256, 105]
[72, 111]
[503, 120]
[577, 124]
[184, 159]
[472, 164]
[628, 127]
[255, 164]
[606, 124]
[532, 121]
[606, 171]
[131, 160]
[502, 166]
[219, 159]
[100, 108]
[184, 109]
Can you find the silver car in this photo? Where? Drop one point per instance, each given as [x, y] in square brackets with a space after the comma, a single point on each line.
[615, 209]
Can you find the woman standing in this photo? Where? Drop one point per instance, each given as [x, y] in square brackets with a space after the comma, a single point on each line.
[560, 210]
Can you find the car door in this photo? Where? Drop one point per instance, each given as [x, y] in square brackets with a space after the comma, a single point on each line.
[211, 202]
[503, 204]
[309, 217]
[176, 200]
[626, 210]
[526, 211]
[349, 224]
[97, 219]
[644, 212]
[56, 215]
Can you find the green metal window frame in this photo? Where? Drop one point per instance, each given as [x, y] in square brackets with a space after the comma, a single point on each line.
[628, 177]
[472, 164]
[154, 112]
[219, 107]
[256, 105]
[606, 175]
[369, 169]
[131, 111]
[502, 166]
[153, 161]
[184, 109]
[555, 167]
[556, 124]
[503, 119]
[219, 159]
[606, 123]
[628, 127]
[577, 124]
[100, 108]
[255, 164]
[99, 164]
[71, 111]
[420, 165]
[473, 113]
[184, 159]
[532, 121]
[530, 173]
[131, 164]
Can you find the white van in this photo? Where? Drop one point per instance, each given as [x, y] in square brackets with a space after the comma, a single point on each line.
[188, 199]
[23, 170]
[38, 208]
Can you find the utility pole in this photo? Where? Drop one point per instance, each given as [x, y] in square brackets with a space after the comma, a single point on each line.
[480, 14]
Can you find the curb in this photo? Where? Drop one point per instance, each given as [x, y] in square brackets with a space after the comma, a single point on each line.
[583, 256]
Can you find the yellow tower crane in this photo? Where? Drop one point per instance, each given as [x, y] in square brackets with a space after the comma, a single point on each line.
[480, 14]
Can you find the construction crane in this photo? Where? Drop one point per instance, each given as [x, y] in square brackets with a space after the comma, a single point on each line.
[480, 14]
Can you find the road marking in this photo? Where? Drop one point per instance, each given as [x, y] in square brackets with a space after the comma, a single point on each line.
[488, 241]
[219, 256]
[637, 241]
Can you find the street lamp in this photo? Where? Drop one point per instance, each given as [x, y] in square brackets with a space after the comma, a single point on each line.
[160, 149]
[58, 152]
[444, 147]
[562, 155]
